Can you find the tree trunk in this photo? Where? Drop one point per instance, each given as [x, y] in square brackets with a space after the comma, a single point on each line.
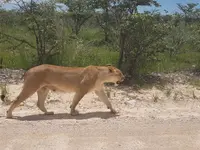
[106, 35]
[1, 63]
[77, 29]
[122, 48]
[106, 21]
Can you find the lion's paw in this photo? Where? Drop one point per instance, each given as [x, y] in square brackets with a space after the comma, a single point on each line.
[113, 111]
[74, 113]
[8, 115]
[49, 113]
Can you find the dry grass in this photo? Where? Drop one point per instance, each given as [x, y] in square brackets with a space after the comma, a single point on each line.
[195, 82]
[194, 95]
[168, 92]
[4, 92]
[155, 98]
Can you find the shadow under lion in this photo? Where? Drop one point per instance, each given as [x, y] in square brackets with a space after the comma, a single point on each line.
[81, 116]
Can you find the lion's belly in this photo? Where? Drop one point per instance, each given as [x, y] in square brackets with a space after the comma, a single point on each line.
[62, 88]
[69, 84]
[63, 83]
[69, 89]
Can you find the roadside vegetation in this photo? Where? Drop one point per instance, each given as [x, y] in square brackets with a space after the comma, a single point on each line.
[93, 32]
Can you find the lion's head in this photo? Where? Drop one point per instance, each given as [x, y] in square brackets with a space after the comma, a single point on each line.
[111, 74]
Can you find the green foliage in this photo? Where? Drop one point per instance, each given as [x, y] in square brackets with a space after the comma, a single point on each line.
[82, 53]
[143, 40]
[39, 21]
[78, 13]
[102, 32]
[183, 61]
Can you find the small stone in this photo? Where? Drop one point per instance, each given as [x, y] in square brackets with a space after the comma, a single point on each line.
[131, 102]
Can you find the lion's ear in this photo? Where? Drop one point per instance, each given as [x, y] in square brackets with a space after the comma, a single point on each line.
[111, 70]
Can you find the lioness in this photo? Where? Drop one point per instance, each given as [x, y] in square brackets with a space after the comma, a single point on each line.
[80, 80]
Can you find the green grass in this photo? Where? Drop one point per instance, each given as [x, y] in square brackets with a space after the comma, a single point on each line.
[77, 54]
[89, 34]
[21, 56]
[88, 55]
[15, 60]
[195, 82]
[179, 62]
[88, 49]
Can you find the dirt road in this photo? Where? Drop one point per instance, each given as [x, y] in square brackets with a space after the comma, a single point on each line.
[141, 123]
[94, 133]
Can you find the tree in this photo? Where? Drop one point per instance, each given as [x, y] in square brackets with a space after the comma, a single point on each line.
[127, 8]
[38, 19]
[191, 18]
[103, 16]
[191, 11]
[141, 40]
[79, 11]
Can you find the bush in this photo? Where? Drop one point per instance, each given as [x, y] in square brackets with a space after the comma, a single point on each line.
[142, 40]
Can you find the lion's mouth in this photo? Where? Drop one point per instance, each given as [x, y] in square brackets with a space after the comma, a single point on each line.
[118, 82]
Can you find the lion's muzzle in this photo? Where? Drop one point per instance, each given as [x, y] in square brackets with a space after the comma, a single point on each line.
[122, 79]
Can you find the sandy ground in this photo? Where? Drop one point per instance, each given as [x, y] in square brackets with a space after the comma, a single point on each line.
[147, 119]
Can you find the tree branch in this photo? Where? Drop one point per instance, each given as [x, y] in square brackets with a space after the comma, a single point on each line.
[16, 46]
[18, 39]
[52, 48]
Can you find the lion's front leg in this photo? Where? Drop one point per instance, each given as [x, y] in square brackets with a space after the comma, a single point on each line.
[77, 97]
[102, 96]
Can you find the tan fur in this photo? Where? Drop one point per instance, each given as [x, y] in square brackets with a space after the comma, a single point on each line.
[80, 80]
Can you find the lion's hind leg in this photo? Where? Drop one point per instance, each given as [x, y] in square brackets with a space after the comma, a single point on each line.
[77, 97]
[27, 91]
[42, 94]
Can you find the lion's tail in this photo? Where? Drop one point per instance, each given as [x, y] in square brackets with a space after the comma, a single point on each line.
[3, 92]
[6, 102]
[3, 97]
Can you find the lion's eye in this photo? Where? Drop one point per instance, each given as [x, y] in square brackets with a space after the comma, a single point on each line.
[110, 70]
